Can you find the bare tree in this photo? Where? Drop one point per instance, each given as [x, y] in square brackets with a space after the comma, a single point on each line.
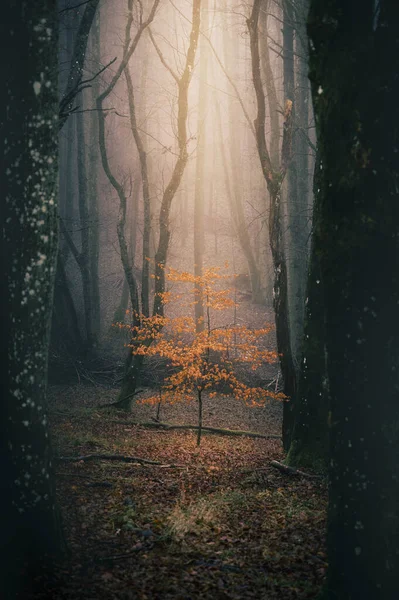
[274, 178]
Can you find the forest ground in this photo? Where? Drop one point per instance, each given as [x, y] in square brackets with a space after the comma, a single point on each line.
[211, 522]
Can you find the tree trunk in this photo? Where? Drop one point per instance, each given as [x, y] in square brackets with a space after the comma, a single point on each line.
[31, 530]
[199, 199]
[274, 179]
[357, 241]
[93, 173]
[84, 263]
[145, 279]
[65, 332]
[309, 444]
[183, 83]
[199, 417]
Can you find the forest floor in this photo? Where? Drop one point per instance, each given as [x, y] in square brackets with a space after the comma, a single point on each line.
[211, 522]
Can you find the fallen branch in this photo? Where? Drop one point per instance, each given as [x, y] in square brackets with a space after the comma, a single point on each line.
[214, 430]
[119, 402]
[116, 457]
[122, 556]
[291, 470]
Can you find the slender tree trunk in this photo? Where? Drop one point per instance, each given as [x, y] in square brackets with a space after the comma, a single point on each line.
[84, 263]
[31, 529]
[199, 199]
[356, 238]
[274, 179]
[199, 418]
[145, 279]
[93, 172]
[234, 189]
[289, 221]
[237, 214]
[164, 231]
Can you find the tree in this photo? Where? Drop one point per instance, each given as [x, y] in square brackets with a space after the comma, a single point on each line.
[199, 195]
[354, 65]
[182, 81]
[207, 360]
[274, 176]
[309, 437]
[29, 113]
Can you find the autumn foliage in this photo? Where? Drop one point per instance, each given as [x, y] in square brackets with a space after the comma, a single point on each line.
[206, 361]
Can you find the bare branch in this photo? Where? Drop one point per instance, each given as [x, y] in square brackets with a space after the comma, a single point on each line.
[76, 254]
[161, 57]
[128, 54]
[77, 62]
[74, 7]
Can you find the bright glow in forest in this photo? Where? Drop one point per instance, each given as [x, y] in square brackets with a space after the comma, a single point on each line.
[199, 291]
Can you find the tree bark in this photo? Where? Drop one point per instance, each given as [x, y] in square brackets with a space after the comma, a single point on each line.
[357, 240]
[31, 530]
[84, 221]
[309, 443]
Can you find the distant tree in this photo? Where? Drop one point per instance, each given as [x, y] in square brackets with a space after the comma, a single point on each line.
[31, 529]
[354, 66]
[199, 190]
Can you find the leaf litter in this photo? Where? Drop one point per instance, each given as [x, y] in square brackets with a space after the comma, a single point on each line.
[222, 524]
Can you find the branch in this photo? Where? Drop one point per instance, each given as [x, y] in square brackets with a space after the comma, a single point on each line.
[76, 254]
[74, 7]
[231, 82]
[124, 62]
[67, 100]
[162, 58]
[292, 471]
[115, 457]
[213, 430]
[77, 62]
[228, 77]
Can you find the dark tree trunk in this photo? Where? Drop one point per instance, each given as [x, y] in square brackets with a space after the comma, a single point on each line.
[309, 444]
[274, 179]
[84, 262]
[93, 167]
[30, 529]
[65, 332]
[354, 61]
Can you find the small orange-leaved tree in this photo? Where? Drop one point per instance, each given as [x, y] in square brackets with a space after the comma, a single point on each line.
[205, 361]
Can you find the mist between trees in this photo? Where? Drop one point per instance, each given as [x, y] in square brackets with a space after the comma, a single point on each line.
[224, 215]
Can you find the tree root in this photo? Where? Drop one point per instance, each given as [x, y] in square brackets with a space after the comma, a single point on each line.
[121, 404]
[214, 430]
[292, 471]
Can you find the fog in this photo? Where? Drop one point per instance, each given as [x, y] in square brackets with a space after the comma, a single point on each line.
[218, 213]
